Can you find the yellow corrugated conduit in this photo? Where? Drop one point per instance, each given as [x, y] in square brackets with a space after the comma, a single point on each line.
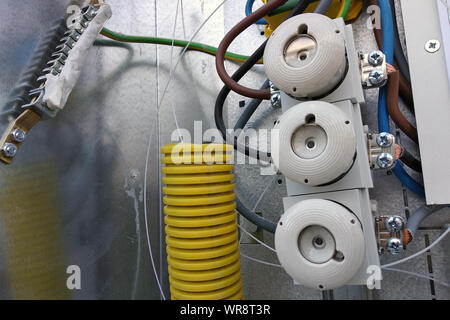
[200, 218]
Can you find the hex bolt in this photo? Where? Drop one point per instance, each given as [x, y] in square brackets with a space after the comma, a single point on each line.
[18, 135]
[385, 140]
[9, 150]
[376, 58]
[385, 160]
[376, 77]
[394, 246]
[394, 223]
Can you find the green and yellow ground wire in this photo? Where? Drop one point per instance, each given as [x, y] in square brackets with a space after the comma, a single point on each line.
[345, 7]
[177, 43]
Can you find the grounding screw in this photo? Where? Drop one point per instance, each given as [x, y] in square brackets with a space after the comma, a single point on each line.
[18, 135]
[9, 150]
[376, 77]
[376, 58]
[385, 139]
[394, 246]
[385, 160]
[394, 223]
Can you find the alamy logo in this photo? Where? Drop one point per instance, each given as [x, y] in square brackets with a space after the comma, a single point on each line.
[374, 278]
[74, 280]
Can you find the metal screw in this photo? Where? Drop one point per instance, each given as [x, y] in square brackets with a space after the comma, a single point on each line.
[376, 77]
[90, 13]
[9, 150]
[376, 58]
[394, 246]
[275, 96]
[432, 46]
[275, 100]
[394, 223]
[385, 160]
[18, 135]
[385, 139]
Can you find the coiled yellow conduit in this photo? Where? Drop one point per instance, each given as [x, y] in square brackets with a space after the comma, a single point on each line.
[201, 227]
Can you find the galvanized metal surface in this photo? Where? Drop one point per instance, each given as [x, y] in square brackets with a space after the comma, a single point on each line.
[97, 146]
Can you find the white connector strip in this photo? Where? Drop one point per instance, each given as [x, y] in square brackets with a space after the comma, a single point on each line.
[58, 87]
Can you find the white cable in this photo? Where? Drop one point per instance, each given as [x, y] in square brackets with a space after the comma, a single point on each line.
[256, 239]
[418, 275]
[264, 192]
[185, 49]
[146, 223]
[261, 261]
[159, 143]
[174, 113]
[442, 236]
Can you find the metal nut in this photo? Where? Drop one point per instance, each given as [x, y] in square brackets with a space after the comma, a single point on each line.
[385, 139]
[18, 135]
[9, 150]
[394, 246]
[394, 223]
[376, 77]
[376, 58]
[385, 160]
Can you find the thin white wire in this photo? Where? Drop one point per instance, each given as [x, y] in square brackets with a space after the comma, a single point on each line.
[418, 275]
[263, 193]
[159, 143]
[146, 223]
[185, 49]
[256, 239]
[442, 236]
[174, 113]
[261, 261]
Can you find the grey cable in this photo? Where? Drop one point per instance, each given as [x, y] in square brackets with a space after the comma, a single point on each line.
[418, 216]
[442, 236]
[254, 218]
[323, 6]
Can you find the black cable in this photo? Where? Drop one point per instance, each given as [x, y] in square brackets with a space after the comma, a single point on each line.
[411, 161]
[250, 109]
[399, 55]
[218, 117]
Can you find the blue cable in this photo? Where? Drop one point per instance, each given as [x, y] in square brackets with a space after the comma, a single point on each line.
[249, 10]
[383, 116]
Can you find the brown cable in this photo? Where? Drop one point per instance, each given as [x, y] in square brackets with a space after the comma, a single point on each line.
[404, 85]
[233, 34]
[394, 110]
